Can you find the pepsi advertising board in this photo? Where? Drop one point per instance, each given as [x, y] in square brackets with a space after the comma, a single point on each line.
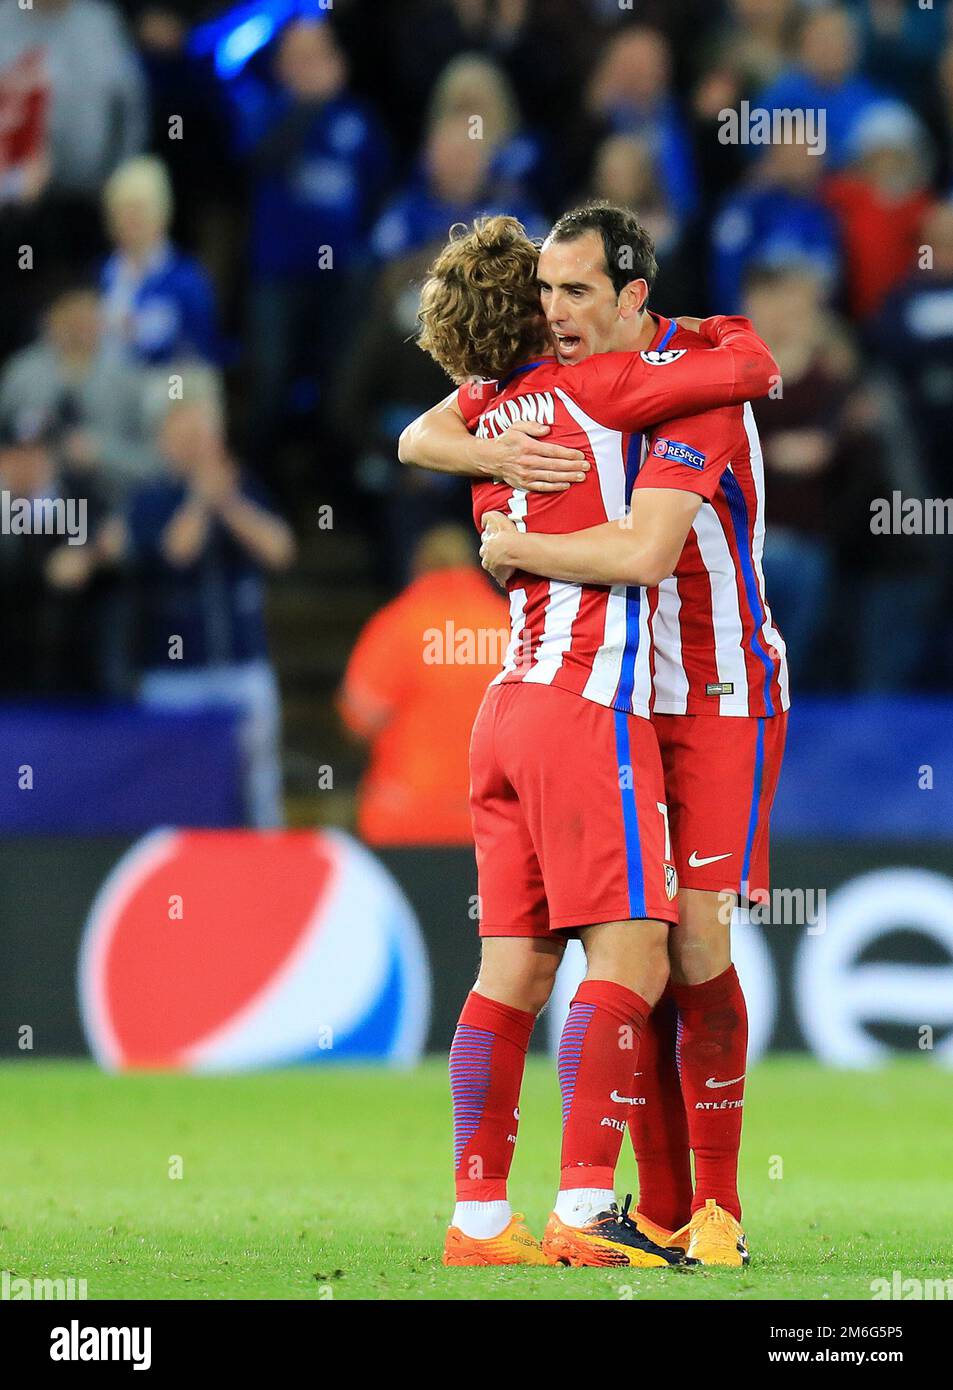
[213, 951]
[232, 950]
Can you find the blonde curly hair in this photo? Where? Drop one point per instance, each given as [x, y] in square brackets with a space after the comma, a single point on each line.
[479, 310]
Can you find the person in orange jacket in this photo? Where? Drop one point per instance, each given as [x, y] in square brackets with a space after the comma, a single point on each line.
[411, 691]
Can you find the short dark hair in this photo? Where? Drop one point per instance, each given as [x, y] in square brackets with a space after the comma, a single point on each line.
[629, 249]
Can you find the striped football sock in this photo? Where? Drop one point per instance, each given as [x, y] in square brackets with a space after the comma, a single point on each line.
[598, 1053]
[486, 1071]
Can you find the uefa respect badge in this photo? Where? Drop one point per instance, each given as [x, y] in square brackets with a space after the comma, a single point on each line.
[677, 452]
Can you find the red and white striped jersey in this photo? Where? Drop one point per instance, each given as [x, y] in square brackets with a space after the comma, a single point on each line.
[703, 641]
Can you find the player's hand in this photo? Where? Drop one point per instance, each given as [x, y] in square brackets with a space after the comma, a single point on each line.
[686, 321]
[494, 546]
[525, 460]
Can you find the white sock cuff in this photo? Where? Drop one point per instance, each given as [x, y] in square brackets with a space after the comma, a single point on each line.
[482, 1220]
[576, 1206]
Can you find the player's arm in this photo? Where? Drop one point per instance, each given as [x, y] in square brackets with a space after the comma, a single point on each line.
[641, 389]
[685, 462]
[641, 549]
[440, 440]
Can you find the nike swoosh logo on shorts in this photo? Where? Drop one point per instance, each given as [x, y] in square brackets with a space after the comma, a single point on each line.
[713, 1085]
[695, 863]
[622, 1100]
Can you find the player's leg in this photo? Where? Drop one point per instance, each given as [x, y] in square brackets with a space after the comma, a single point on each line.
[721, 777]
[700, 952]
[658, 1126]
[487, 1059]
[593, 806]
[488, 1053]
[712, 1042]
[627, 969]
[712, 1045]
[657, 1123]
[712, 1048]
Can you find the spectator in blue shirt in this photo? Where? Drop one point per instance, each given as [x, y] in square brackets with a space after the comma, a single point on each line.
[319, 161]
[477, 90]
[631, 93]
[778, 219]
[900, 44]
[913, 335]
[52, 580]
[624, 173]
[826, 78]
[200, 540]
[317, 154]
[158, 302]
[456, 186]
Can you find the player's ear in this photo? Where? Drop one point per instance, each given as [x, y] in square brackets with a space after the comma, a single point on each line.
[632, 299]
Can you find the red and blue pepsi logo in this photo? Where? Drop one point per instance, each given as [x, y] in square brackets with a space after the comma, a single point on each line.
[229, 950]
[678, 453]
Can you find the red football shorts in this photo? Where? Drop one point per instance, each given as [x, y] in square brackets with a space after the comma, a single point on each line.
[721, 774]
[568, 808]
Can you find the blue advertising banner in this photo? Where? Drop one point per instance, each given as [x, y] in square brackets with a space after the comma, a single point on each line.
[115, 770]
[865, 769]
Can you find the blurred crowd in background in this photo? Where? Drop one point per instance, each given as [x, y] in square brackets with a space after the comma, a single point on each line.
[214, 221]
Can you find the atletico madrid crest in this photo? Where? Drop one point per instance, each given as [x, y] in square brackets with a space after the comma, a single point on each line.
[671, 881]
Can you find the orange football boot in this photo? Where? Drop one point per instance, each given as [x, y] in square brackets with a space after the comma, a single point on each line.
[514, 1246]
[714, 1237]
[611, 1238]
[658, 1234]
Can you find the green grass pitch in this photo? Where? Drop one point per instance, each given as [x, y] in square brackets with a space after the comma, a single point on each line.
[335, 1182]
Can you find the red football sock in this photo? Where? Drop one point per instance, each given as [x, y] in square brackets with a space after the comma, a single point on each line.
[712, 1049]
[598, 1053]
[487, 1057]
[658, 1126]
